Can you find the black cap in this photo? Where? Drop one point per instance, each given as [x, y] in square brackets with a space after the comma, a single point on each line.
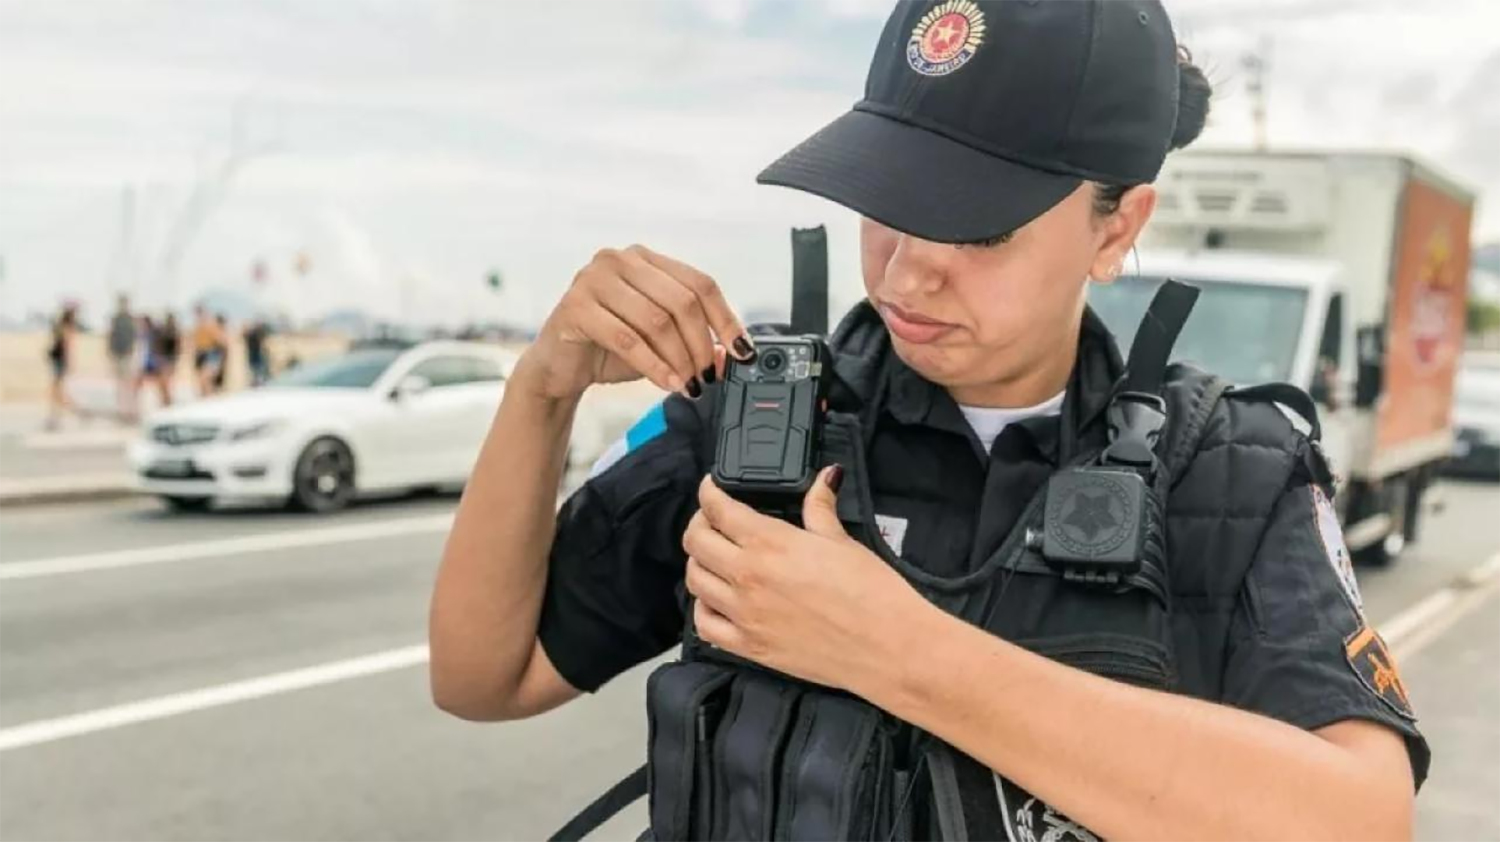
[979, 116]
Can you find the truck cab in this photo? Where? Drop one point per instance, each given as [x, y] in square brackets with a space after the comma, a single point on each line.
[1341, 273]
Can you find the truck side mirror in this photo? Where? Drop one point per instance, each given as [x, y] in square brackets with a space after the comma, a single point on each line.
[1370, 342]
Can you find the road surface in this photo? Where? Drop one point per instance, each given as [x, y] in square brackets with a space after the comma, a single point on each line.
[258, 675]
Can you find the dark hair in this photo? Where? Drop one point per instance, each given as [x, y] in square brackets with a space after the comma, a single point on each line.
[1193, 94]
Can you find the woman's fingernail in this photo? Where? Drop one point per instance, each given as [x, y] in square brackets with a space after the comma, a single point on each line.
[835, 478]
[675, 383]
[693, 389]
[709, 375]
[743, 349]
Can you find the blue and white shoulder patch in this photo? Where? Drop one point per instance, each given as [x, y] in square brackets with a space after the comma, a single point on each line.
[650, 425]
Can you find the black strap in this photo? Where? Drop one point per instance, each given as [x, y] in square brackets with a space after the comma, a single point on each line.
[604, 808]
[1152, 348]
[1292, 397]
[810, 280]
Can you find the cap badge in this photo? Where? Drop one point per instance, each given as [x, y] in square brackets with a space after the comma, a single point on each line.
[945, 38]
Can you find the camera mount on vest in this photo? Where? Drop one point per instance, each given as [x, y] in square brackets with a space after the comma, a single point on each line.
[1099, 517]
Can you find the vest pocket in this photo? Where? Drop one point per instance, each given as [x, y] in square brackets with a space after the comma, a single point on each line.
[746, 755]
[685, 703]
[838, 774]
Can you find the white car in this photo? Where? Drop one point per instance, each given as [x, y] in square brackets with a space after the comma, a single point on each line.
[372, 419]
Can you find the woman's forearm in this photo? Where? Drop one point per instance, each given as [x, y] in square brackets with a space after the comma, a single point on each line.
[488, 595]
[1128, 762]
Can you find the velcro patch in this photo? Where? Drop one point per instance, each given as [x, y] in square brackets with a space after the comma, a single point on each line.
[1372, 662]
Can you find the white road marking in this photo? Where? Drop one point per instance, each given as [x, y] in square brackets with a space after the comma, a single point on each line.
[222, 547]
[161, 707]
[1412, 630]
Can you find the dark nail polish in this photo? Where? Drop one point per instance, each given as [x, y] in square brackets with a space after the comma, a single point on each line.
[744, 349]
[693, 389]
[709, 375]
[836, 478]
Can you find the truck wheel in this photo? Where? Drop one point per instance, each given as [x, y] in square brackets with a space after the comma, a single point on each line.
[1396, 496]
[1412, 517]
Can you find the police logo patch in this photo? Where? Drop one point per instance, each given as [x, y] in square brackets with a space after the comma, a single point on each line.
[1376, 669]
[1334, 549]
[945, 38]
[1029, 819]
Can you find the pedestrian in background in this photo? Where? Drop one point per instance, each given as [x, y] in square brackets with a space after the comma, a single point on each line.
[122, 358]
[60, 357]
[168, 350]
[222, 353]
[255, 337]
[206, 349]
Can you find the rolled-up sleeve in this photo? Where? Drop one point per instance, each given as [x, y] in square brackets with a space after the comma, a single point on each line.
[614, 574]
[1300, 649]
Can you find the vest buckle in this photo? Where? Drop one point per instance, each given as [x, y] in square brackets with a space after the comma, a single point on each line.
[1135, 423]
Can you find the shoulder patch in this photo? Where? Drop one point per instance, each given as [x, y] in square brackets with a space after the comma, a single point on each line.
[650, 425]
[1372, 662]
[1331, 535]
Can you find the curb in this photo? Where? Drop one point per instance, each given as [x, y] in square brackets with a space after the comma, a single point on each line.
[65, 490]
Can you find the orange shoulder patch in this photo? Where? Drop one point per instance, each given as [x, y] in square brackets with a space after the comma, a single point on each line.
[1376, 668]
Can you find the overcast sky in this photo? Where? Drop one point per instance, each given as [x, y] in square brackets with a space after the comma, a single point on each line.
[411, 147]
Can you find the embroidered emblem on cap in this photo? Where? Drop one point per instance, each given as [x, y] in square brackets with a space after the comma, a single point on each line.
[945, 38]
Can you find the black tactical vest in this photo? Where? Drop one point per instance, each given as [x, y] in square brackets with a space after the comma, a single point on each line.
[739, 752]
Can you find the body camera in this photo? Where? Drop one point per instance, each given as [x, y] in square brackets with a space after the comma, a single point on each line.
[770, 416]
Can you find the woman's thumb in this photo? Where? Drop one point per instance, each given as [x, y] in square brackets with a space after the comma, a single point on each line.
[820, 514]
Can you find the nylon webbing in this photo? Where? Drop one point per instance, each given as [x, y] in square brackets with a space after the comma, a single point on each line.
[810, 281]
[604, 808]
[1150, 352]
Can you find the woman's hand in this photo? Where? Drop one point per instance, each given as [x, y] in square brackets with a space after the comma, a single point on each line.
[634, 313]
[813, 603]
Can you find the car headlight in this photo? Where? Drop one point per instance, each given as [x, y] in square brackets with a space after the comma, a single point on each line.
[256, 431]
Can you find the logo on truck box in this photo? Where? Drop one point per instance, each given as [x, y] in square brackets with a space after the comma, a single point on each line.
[1433, 322]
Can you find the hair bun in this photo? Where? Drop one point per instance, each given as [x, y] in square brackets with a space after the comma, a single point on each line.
[1193, 94]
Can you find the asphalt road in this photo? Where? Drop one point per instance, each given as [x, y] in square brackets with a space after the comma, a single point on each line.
[103, 605]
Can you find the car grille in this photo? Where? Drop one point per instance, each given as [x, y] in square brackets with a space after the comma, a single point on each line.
[180, 434]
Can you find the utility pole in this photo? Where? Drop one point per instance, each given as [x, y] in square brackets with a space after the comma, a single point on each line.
[1257, 66]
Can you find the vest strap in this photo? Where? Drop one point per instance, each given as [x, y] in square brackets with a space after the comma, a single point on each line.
[1152, 349]
[603, 808]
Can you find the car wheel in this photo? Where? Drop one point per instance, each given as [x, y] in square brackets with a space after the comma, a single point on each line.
[187, 504]
[323, 478]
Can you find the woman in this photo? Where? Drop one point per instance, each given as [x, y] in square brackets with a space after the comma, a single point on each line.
[59, 359]
[208, 350]
[1001, 159]
[168, 352]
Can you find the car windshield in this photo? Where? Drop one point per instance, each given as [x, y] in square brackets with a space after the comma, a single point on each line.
[355, 370]
[1246, 333]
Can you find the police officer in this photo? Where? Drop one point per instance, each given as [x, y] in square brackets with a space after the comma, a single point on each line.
[1000, 160]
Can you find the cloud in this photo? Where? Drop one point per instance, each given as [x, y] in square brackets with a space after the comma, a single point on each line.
[418, 145]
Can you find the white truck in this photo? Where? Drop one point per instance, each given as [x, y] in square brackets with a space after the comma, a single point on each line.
[1342, 273]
